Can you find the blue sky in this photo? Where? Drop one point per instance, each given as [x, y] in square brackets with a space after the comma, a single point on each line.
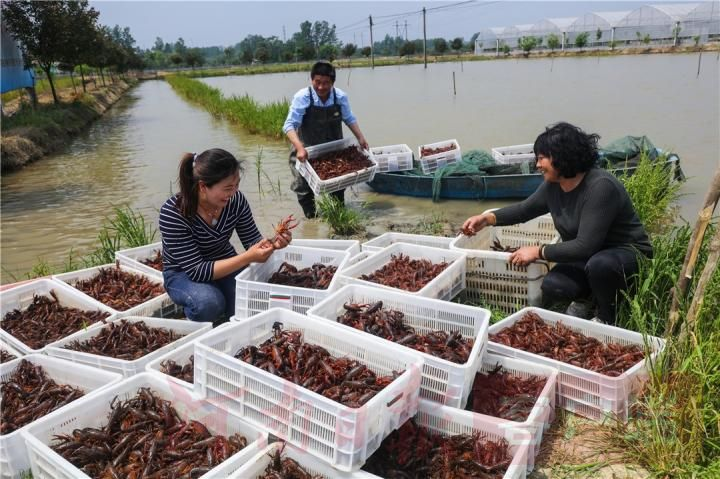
[208, 23]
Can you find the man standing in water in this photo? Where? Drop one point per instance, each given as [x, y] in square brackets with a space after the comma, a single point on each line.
[316, 115]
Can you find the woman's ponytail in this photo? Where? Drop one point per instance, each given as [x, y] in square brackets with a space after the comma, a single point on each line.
[187, 201]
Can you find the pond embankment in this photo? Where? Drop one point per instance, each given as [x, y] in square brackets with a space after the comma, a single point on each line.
[30, 134]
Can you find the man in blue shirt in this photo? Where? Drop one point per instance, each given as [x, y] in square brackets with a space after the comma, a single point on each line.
[316, 116]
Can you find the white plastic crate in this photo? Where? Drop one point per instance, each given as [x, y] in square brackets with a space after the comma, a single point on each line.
[253, 294]
[491, 279]
[392, 158]
[255, 467]
[543, 413]
[74, 277]
[443, 381]
[444, 286]
[14, 457]
[22, 296]
[391, 237]
[127, 368]
[357, 258]
[134, 257]
[587, 393]
[449, 421]
[339, 435]
[431, 163]
[351, 246]
[93, 412]
[507, 155]
[9, 349]
[338, 183]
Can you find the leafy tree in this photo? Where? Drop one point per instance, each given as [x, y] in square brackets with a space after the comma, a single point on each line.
[598, 35]
[328, 52]
[193, 58]
[553, 41]
[176, 59]
[407, 49]
[440, 45]
[581, 40]
[80, 49]
[159, 44]
[526, 44]
[261, 54]
[366, 51]
[45, 30]
[505, 49]
[229, 53]
[180, 47]
[247, 56]
[349, 50]
[456, 44]
[646, 39]
[696, 40]
[612, 44]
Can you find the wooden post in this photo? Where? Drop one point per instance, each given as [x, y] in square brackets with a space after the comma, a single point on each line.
[424, 40]
[710, 266]
[454, 90]
[372, 47]
[686, 273]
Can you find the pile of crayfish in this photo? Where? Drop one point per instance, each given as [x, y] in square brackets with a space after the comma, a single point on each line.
[125, 340]
[390, 324]
[45, 321]
[341, 162]
[499, 393]
[145, 437]
[6, 356]
[120, 289]
[29, 394]
[413, 452]
[343, 380]
[427, 151]
[318, 276]
[285, 468]
[405, 273]
[559, 342]
[183, 372]
[155, 262]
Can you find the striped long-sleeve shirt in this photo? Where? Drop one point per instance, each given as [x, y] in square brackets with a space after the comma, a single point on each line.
[191, 245]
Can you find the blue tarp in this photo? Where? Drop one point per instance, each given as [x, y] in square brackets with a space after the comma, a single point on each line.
[13, 75]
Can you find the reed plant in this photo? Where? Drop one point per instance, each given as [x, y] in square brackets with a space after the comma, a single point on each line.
[266, 120]
[342, 220]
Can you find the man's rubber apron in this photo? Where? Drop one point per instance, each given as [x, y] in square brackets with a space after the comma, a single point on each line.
[319, 125]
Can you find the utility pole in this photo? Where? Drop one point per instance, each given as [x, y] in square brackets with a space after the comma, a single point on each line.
[396, 29]
[372, 46]
[424, 39]
[284, 39]
[405, 30]
[362, 39]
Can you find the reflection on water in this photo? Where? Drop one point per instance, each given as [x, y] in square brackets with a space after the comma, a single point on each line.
[131, 154]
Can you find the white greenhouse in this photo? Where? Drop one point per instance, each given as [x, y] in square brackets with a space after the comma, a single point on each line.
[653, 23]
[605, 22]
[702, 22]
[510, 35]
[488, 39]
[557, 26]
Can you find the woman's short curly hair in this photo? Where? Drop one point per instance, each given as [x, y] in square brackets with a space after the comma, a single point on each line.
[570, 149]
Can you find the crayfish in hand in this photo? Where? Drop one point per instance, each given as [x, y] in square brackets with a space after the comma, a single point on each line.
[283, 228]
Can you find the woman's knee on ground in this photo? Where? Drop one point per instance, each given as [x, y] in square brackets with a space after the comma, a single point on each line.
[604, 269]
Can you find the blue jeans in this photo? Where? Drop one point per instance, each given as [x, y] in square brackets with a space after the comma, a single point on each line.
[207, 302]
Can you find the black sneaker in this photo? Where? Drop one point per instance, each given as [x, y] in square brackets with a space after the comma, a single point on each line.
[580, 309]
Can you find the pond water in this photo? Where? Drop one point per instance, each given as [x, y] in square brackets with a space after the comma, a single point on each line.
[131, 154]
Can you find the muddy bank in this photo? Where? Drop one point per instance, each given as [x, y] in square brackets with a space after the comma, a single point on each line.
[32, 135]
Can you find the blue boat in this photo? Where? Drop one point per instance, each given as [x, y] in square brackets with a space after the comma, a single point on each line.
[476, 187]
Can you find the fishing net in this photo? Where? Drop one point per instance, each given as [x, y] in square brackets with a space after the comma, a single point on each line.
[626, 151]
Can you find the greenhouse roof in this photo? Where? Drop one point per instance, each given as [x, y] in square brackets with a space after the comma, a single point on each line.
[595, 20]
[676, 11]
[706, 10]
[514, 29]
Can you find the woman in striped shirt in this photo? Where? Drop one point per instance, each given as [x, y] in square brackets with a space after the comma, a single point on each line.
[199, 263]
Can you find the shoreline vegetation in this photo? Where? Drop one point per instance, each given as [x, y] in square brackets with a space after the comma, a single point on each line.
[31, 133]
[341, 63]
[266, 120]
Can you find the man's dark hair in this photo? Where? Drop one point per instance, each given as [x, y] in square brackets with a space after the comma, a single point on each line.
[323, 68]
[570, 149]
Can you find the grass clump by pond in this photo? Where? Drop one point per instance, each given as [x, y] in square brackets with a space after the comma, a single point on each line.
[258, 119]
[342, 220]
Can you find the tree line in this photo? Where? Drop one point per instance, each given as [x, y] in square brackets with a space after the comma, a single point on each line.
[67, 36]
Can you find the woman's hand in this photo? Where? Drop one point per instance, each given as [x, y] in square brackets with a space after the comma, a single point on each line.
[525, 255]
[475, 223]
[260, 251]
[282, 240]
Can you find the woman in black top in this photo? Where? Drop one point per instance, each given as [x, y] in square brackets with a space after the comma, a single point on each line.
[600, 230]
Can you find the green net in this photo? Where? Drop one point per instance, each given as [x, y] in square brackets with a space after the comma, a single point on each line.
[626, 151]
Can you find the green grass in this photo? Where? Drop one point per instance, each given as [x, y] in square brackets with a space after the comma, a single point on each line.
[266, 120]
[42, 85]
[342, 220]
